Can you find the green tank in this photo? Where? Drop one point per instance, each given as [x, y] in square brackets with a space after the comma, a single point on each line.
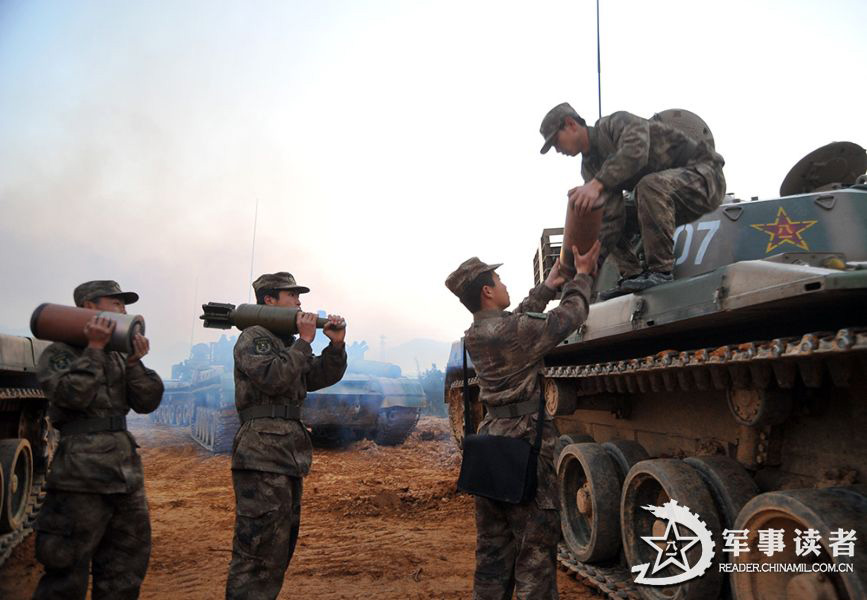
[738, 390]
[27, 441]
[373, 400]
[189, 377]
[201, 395]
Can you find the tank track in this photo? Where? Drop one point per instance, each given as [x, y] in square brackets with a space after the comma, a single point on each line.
[214, 429]
[615, 581]
[751, 364]
[747, 365]
[174, 414]
[8, 541]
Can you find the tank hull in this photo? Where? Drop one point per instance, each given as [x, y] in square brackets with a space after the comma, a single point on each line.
[27, 440]
[745, 378]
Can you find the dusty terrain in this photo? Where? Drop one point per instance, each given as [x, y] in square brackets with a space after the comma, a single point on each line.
[377, 522]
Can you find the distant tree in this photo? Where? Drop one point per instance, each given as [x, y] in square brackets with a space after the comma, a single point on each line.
[432, 382]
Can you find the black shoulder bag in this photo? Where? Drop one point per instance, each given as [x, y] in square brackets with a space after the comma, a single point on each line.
[495, 466]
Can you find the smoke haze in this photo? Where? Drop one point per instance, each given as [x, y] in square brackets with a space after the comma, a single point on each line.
[385, 142]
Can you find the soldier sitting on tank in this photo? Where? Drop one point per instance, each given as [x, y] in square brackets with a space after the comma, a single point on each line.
[272, 449]
[95, 517]
[675, 179]
[516, 544]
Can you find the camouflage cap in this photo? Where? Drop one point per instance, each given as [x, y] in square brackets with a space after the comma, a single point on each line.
[553, 122]
[465, 274]
[279, 281]
[91, 290]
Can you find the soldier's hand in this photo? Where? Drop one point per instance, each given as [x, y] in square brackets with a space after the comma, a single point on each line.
[554, 279]
[141, 346]
[586, 198]
[335, 329]
[98, 332]
[306, 324]
[587, 263]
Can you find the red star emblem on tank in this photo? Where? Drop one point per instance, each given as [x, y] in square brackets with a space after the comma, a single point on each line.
[783, 230]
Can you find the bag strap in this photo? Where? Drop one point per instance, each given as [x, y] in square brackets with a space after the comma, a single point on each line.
[541, 422]
[468, 419]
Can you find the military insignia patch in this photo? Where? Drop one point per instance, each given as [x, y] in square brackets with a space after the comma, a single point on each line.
[262, 345]
[536, 315]
[61, 361]
[785, 231]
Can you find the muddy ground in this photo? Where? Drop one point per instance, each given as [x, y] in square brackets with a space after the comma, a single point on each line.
[377, 522]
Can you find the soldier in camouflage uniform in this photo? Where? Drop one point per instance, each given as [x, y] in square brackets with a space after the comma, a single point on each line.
[675, 179]
[516, 544]
[272, 450]
[95, 515]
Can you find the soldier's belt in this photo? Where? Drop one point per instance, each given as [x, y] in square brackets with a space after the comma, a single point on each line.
[518, 409]
[273, 411]
[94, 425]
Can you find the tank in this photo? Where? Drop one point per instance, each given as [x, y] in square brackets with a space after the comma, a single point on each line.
[373, 400]
[27, 441]
[737, 391]
[201, 395]
[178, 401]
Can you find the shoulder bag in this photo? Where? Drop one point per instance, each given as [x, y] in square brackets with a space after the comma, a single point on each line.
[498, 467]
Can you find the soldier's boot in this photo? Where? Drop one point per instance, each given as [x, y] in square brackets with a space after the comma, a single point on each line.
[646, 280]
[621, 289]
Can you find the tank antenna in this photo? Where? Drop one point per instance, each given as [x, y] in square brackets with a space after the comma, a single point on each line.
[598, 63]
[253, 251]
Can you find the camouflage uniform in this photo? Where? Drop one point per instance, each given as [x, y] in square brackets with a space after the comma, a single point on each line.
[676, 180]
[95, 510]
[270, 456]
[516, 545]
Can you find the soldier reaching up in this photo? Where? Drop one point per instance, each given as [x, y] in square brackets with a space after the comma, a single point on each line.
[676, 180]
[516, 544]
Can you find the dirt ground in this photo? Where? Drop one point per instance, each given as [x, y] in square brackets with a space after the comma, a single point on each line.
[377, 522]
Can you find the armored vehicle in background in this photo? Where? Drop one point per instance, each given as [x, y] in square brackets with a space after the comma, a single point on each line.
[738, 390]
[27, 440]
[201, 395]
[178, 402]
[373, 400]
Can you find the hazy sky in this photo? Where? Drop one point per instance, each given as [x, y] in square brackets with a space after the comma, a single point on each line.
[385, 141]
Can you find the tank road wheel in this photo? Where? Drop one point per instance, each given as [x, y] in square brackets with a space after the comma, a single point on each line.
[589, 489]
[654, 483]
[825, 511]
[16, 460]
[569, 438]
[729, 483]
[625, 454]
